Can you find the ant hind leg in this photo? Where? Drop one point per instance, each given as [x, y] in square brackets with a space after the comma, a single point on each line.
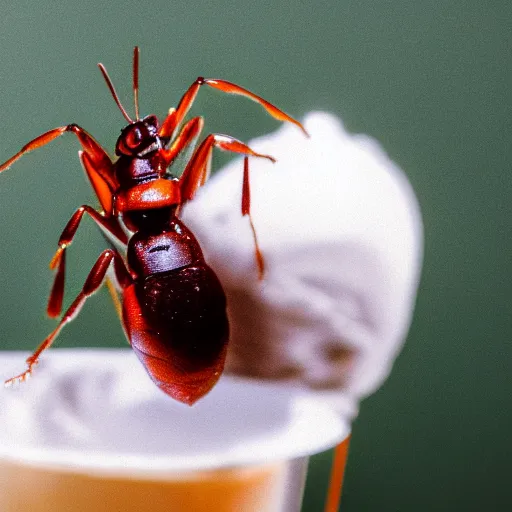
[93, 282]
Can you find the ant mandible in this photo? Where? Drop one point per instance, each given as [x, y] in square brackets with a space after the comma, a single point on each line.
[173, 305]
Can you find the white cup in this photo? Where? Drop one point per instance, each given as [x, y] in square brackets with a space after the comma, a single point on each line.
[91, 432]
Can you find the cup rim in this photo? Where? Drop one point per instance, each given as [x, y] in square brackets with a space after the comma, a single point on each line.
[310, 427]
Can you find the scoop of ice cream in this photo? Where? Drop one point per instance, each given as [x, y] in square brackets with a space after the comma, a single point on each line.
[340, 231]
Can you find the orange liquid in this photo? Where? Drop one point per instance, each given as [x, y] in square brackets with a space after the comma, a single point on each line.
[253, 489]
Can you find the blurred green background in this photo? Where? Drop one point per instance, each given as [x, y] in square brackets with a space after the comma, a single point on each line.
[431, 80]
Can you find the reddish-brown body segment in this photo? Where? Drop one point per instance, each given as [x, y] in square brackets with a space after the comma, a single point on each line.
[173, 305]
[155, 194]
[174, 313]
[177, 326]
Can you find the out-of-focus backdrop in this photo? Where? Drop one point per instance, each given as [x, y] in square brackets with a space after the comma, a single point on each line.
[431, 80]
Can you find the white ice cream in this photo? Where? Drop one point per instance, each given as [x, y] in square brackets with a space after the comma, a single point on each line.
[340, 230]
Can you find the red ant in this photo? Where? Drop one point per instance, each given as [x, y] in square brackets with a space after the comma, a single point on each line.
[173, 305]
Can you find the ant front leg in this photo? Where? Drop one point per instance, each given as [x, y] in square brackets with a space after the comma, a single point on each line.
[198, 170]
[92, 284]
[97, 163]
[187, 137]
[176, 116]
[110, 225]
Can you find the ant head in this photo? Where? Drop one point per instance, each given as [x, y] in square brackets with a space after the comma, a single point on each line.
[139, 139]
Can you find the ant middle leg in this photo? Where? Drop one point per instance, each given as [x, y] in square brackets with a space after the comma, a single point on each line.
[198, 170]
[109, 225]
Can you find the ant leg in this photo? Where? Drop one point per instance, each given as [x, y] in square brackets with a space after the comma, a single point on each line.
[96, 154]
[188, 135]
[104, 191]
[114, 295]
[176, 116]
[197, 171]
[92, 284]
[246, 210]
[107, 222]
[110, 225]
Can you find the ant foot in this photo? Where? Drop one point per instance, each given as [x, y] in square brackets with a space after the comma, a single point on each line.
[22, 377]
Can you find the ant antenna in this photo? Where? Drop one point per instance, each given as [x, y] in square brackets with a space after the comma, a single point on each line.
[113, 92]
[136, 80]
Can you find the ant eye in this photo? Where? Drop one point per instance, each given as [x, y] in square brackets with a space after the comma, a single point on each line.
[151, 122]
[133, 138]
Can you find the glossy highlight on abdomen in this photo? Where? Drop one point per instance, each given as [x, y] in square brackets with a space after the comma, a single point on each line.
[178, 327]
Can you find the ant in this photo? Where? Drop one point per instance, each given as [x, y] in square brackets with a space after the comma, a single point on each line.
[173, 305]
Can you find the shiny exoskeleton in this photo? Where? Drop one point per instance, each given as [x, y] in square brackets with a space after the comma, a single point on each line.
[173, 306]
[174, 312]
